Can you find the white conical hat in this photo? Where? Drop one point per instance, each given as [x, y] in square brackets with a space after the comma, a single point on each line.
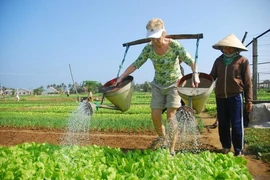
[230, 41]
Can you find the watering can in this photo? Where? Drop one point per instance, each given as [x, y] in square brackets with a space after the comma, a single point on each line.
[119, 95]
[196, 97]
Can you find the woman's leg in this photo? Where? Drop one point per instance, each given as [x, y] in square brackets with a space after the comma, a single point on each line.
[172, 103]
[157, 121]
[174, 128]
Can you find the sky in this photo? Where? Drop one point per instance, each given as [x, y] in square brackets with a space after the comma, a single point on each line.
[41, 39]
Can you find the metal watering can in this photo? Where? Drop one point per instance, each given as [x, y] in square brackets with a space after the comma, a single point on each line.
[120, 96]
[196, 97]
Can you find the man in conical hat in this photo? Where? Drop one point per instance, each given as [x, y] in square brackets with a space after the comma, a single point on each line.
[233, 79]
[230, 41]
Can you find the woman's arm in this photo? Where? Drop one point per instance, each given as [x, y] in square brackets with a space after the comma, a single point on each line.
[127, 72]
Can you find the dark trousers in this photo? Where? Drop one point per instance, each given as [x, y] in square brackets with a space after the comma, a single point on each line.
[230, 115]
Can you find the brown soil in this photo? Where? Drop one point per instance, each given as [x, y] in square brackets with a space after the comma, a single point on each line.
[129, 141]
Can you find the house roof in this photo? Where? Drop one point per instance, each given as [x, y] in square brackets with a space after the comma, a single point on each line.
[51, 90]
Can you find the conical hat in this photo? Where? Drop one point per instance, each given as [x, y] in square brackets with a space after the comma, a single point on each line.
[230, 41]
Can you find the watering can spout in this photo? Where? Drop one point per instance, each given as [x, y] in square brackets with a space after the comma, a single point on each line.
[88, 108]
[120, 95]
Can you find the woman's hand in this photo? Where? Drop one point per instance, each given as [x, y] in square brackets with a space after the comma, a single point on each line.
[128, 71]
[118, 80]
[195, 79]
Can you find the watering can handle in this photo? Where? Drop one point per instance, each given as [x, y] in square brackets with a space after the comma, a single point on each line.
[196, 53]
[121, 65]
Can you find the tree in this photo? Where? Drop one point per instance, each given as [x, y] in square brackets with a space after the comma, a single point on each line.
[147, 86]
[91, 86]
[4, 88]
[39, 90]
[63, 87]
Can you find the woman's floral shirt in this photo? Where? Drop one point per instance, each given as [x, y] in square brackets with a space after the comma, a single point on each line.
[167, 69]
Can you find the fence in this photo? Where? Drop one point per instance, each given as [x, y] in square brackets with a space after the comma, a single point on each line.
[260, 61]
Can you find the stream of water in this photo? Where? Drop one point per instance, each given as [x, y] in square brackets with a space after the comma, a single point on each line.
[187, 130]
[78, 128]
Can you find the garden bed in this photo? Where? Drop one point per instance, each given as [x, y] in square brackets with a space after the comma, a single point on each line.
[208, 140]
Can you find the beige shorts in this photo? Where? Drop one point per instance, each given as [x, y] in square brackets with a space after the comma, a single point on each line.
[162, 98]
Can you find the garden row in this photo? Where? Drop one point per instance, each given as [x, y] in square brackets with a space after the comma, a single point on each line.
[45, 161]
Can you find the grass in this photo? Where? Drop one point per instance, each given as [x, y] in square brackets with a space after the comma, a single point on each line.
[258, 142]
[54, 112]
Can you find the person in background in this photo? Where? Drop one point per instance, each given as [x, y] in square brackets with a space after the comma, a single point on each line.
[18, 97]
[67, 93]
[233, 79]
[165, 54]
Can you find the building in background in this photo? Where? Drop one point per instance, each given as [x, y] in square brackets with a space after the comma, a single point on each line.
[22, 91]
[50, 90]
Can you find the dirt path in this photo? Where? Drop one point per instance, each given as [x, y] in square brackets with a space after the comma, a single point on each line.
[128, 141]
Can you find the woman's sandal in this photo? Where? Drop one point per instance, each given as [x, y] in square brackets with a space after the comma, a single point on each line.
[158, 141]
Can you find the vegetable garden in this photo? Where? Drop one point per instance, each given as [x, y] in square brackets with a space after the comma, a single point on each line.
[117, 145]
